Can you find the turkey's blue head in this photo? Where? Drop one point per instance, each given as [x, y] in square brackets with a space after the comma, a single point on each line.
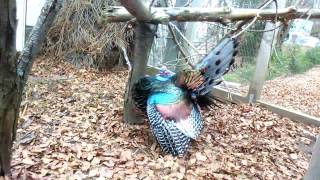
[164, 74]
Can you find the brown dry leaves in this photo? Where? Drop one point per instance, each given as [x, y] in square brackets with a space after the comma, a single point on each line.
[71, 126]
[299, 92]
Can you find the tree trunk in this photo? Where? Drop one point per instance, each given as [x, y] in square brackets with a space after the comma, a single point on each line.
[13, 76]
[143, 42]
[9, 94]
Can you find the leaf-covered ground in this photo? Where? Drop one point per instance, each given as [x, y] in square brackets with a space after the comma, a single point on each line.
[300, 92]
[71, 126]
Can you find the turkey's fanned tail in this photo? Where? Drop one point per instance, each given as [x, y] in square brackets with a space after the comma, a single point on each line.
[209, 70]
[216, 64]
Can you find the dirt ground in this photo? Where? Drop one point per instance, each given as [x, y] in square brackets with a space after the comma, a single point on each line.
[71, 126]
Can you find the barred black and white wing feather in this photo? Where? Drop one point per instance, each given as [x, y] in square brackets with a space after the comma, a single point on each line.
[169, 134]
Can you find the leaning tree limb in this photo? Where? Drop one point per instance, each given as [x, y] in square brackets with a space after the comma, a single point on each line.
[13, 76]
[37, 35]
[222, 15]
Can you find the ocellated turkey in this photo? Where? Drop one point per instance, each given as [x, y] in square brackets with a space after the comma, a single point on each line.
[172, 101]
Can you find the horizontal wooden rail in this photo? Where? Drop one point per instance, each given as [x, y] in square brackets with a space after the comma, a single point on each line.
[228, 96]
[292, 114]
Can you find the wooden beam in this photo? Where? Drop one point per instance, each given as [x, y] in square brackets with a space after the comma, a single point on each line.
[262, 60]
[223, 15]
[313, 172]
[292, 114]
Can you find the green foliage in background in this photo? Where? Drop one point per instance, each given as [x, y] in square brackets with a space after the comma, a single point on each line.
[250, 43]
[291, 60]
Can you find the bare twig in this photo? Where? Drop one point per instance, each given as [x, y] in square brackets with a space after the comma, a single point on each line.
[79, 36]
[125, 54]
[174, 38]
[184, 38]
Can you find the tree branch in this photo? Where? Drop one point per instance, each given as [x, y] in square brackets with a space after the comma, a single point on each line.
[222, 15]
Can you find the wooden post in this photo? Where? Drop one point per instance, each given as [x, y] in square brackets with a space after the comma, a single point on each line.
[138, 9]
[264, 55]
[313, 172]
[262, 61]
[143, 42]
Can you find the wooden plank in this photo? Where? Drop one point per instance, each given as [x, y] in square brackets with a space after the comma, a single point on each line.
[262, 61]
[292, 114]
[229, 96]
[313, 172]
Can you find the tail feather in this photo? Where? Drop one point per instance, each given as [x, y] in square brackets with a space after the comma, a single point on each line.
[216, 64]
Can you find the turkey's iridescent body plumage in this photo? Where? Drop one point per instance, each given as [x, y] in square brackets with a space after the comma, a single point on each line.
[168, 134]
[171, 101]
